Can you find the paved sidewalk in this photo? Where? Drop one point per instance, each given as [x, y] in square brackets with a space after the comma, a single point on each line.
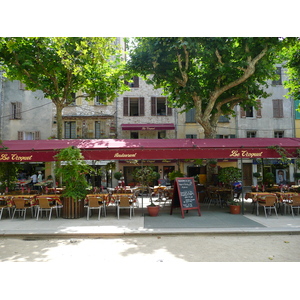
[111, 226]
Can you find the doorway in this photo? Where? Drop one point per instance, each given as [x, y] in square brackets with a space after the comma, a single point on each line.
[247, 174]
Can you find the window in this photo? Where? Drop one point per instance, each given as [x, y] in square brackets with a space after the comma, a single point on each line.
[70, 130]
[28, 135]
[133, 106]
[16, 111]
[159, 107]
[223, 119]
[225, 136]
[190, 116]
[99, 132]
[134, 135]
[297, 113]
[278, 108]
[134, 83]
[99, 100]
[278, 81]
[278, 134]
[251, 134]
[248, 111]
[161, 134]
[191, 136]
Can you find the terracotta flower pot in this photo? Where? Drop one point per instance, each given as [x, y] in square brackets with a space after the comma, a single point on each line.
[153, 210]
[235, 209]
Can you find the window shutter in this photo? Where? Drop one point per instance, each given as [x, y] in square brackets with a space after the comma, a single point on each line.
[125, 106]
[169, 110]
[37, 135]
[277, 108]
[258, 112]
[135, 81]
[243, 112]
[142, 106]
[18, 110]
[20, 135]
[153, 106]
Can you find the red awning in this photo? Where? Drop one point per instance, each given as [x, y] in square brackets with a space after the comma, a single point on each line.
[124, 149]
[167, 126]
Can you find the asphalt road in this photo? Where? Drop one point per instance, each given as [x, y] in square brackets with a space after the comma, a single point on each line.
[156, 248]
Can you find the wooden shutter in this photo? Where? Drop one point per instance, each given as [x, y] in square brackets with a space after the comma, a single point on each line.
[142, 106]
[135, 81]
[37, 135]
[20, 135]
[153, 106]
[125, 106]
[169, 110]
[277, 108]
[258, 111]
[19, 110]
[242, 112]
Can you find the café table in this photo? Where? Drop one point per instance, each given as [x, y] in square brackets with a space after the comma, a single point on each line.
[30, 199]
[51, 198]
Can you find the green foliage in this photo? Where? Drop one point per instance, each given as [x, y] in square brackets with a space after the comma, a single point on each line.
[73, 172]
[62, 66]
[229, 175]
[291, 54]
[8, 175]
[118, 175]
[211, 74]
[269, 178]
[146, 176]
[175, 174]
[257, 174]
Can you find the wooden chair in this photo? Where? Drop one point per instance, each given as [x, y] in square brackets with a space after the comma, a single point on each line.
[21, 207]
[93, 203]
[124, 202]
[268, 202]
[44, 205]
[294, 204]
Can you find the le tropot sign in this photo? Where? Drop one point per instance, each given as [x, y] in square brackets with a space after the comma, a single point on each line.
[137, 149]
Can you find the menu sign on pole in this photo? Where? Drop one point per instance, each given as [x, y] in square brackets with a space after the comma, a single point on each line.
[185, 195]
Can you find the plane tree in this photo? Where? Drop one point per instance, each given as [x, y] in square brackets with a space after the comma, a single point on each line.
[212, 75]
[62, 66]
[291, 55]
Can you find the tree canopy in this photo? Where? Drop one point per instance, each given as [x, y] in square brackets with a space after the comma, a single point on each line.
[211, 74]
[292, 57]
[62, 66]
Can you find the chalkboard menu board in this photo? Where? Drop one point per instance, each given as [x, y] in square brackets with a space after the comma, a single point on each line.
[185, 195]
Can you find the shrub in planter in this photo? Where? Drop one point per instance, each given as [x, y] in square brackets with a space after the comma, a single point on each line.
[73, 173]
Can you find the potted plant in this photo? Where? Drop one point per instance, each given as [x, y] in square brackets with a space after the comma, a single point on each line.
[229, 176]
[72, 172]
[118, 175]
[146, 175]
[175, 174]
[269, 178]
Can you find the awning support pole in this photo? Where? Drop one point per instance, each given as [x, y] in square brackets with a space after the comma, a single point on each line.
[243, 204]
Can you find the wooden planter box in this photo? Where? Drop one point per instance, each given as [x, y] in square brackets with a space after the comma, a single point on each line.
[72, 209]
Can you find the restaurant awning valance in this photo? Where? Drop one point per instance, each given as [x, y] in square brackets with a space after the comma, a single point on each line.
[166, 126]
[137, 149]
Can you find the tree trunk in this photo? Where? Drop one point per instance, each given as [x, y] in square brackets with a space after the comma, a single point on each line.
[59, 121]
